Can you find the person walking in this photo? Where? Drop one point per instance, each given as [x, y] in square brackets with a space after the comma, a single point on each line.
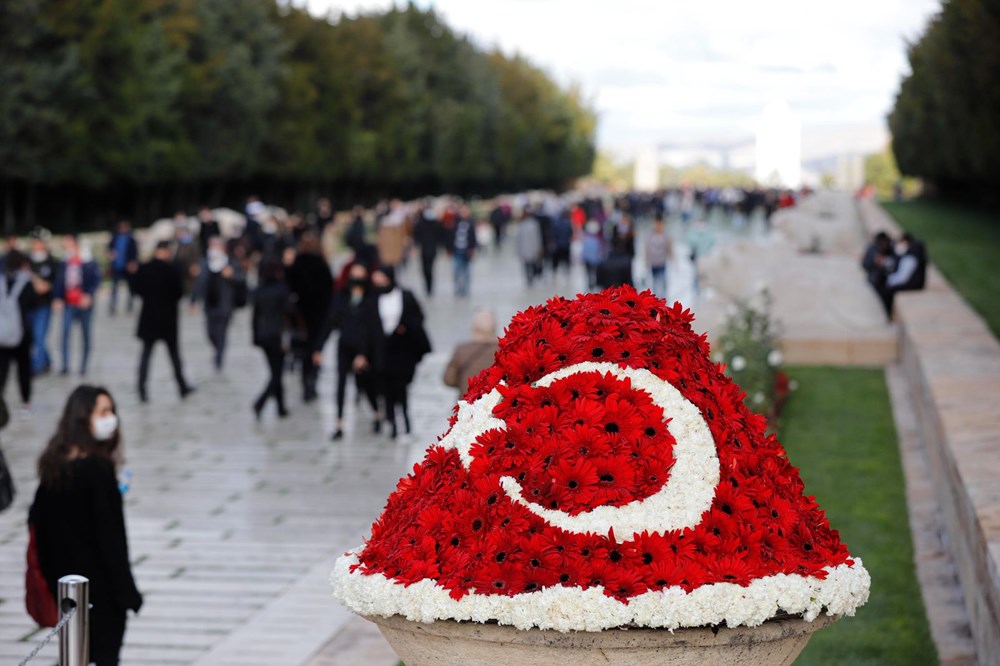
[216, 288]
[123, 253]
[347, 317]
[17, 299]
[701, 240]
[499, 216]
[428, 235]
[311, 283]
[271, 303]
[44, 269]
[475, 355]
[187, 251]
[659, 250]
[78, 517]
[208, 228]
[354, 237]
[592, 251]
[393, 330]
[462, 248]
[562, 240]
[77, 282]
[530, 247]
[623, 236]
[160, 285]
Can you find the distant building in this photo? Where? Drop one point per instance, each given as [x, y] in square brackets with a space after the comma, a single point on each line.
[647, 171]
[778, 149]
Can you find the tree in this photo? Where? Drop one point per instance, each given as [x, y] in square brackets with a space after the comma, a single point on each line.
[944, 120]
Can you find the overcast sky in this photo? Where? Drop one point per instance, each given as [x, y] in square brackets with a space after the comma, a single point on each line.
[672, 72]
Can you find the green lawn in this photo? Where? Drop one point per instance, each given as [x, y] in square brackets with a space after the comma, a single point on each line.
[964, 243]
[837, 428]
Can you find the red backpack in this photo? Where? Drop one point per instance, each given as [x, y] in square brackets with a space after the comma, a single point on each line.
[38, 597]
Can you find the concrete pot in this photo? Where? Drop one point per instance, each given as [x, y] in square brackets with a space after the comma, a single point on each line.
[450, 643]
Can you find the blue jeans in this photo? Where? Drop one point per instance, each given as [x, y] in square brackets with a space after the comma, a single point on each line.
[659, 281]
[461, 275]
[40, 319]
[72, 313]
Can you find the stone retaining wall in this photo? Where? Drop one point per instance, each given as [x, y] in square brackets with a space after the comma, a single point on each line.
[952, 362]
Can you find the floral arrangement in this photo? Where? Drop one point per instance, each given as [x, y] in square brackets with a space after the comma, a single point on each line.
[748, 347]
[604, 472]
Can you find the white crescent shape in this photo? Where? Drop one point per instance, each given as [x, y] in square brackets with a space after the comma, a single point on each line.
[679, 504]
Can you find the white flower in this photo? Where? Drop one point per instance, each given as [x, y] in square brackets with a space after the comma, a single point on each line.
[844, 589]
[793, 385]
[738, 363]
[774, 358]
[758, 397]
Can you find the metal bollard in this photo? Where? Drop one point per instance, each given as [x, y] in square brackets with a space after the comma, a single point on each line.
[74, 638]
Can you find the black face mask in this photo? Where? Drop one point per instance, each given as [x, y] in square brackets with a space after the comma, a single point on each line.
[383, 290]
[357, 283]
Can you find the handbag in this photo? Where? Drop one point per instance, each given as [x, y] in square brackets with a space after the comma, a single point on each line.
[38, 598]
[6, 484]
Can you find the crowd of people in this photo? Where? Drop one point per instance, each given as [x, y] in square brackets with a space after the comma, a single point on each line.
[216, 267]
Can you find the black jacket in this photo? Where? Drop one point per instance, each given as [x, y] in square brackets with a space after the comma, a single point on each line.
[470, 238]
[310, 280]
[429, 234]
[206, 231]
[160, 285]
[80, 528]
[270, 309]
[348, 318]
[47, 269]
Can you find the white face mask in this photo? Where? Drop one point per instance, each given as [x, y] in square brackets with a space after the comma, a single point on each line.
[39, 256]
[901, 249]
[104, 427]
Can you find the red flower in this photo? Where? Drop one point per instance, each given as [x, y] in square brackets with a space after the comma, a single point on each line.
[592, 439]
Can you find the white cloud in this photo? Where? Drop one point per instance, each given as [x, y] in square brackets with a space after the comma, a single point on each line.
[669, 71]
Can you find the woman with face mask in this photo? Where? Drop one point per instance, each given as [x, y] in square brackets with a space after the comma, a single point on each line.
[346, 316]
[395, 342]
[78, 516]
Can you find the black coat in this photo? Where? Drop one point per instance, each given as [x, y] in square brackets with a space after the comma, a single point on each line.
[161, 286]
[270, 309]
[311, 281]
[348, 318]
[429, 234]
[80, 529]
[206, 231]
[395, 356]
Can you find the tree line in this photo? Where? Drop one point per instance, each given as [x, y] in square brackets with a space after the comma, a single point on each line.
[945, 120]
[138, 107]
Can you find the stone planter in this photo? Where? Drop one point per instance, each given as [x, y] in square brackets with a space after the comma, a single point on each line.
[450, 643]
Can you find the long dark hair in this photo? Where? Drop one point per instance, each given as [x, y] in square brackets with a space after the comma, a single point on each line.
[74, 432]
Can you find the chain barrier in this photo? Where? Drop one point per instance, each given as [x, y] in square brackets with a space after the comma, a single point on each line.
[55, 630]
